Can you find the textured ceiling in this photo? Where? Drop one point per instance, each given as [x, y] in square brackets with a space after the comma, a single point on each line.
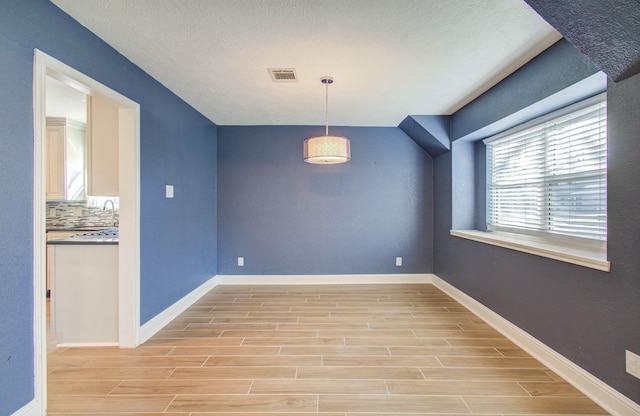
[607, 32]
[389, 59]
[64, 101]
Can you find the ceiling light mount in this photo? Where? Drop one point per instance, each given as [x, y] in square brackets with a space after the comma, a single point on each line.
[327, 150]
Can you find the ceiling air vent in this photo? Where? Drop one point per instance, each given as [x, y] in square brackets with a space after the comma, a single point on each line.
[283, 74]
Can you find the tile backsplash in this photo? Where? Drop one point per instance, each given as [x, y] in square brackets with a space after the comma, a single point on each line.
[77, 213]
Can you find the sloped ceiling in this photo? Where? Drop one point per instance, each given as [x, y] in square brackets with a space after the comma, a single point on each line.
[607, 32]
[389, 59]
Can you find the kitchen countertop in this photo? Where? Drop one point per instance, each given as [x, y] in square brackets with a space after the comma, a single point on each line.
[88, 236]
[77, 227]
[84, 240]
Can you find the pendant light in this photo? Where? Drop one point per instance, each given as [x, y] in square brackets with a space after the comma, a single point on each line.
[327, 150]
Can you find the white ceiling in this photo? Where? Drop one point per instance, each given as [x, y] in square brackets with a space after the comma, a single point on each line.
[64, 101]
[389, 58]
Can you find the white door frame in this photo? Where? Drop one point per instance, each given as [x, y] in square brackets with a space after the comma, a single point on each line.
[129, 191]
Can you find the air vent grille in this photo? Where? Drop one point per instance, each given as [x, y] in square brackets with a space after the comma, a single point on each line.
[283, 74]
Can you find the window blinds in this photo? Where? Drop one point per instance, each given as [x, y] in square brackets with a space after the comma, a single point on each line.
[550, 176]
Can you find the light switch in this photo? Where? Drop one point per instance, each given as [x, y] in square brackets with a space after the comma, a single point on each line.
[398, 261]
[240, 261]
[169, 191]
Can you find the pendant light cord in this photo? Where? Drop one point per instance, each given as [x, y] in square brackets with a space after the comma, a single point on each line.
[326, 109]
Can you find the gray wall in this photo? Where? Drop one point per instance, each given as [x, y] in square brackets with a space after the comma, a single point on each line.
[286, 216]
[588, 316]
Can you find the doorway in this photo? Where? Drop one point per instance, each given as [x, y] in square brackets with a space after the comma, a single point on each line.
[129, 189]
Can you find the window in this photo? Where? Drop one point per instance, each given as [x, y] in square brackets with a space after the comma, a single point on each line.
[548, 177]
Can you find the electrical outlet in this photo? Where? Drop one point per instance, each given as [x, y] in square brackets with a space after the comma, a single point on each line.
[633, 363]
[398, 261]
[240, 261]
[77, 211]
[168, 189]
[52, 212]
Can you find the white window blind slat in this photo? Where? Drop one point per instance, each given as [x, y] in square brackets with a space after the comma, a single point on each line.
[551, 177]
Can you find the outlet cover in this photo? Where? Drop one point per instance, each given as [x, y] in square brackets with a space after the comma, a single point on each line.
[240, 261]
[632, 363]
[169, 191]
[398, 261]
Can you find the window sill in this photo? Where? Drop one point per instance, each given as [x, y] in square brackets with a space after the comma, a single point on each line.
[539, 247]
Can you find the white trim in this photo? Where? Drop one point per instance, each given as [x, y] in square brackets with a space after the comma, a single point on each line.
[129, 234]
[155, 324]
[129, 248]
[129, 174]
[533, 245]
[335, 279]
[87, 344]
[33, 408]
[598, 391]
[39, 237]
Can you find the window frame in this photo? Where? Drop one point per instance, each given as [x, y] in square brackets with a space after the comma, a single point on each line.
[586, 252]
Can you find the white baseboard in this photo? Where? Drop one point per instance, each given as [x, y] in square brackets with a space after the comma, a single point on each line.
[158, 322]
[333, 279]
[608, 398]
[33, 408]
[87, 344]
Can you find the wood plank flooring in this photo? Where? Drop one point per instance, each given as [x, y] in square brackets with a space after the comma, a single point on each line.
[347, 350]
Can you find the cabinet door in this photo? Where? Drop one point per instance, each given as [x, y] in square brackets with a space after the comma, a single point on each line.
[55, 162]
[102, 147]
[53, 235]
[75, 154]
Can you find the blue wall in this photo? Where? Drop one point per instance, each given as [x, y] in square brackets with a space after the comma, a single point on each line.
[286, 216]
[16, 227]
[557, 68]
[178, 146]
[588, 316]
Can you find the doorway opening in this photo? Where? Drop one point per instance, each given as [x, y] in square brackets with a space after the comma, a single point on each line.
[129, 218]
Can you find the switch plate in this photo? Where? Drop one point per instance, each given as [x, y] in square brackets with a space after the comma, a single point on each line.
[632, 363]
[398, 261]
[169, 191]
[240, 261]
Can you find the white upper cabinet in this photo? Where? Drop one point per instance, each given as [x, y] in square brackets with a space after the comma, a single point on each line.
[102, 146]
[65, 160]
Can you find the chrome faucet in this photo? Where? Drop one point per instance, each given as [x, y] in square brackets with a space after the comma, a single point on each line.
[113, 211]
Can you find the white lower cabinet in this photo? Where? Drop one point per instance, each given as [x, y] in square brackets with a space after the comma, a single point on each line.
[54, 235]
[84, 307]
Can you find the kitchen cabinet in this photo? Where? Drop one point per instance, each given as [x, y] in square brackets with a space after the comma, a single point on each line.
[65, 162]
[103, 126]
[84, 305]
[54, 235]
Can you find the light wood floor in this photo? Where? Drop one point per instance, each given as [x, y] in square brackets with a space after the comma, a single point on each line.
[333, 350]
